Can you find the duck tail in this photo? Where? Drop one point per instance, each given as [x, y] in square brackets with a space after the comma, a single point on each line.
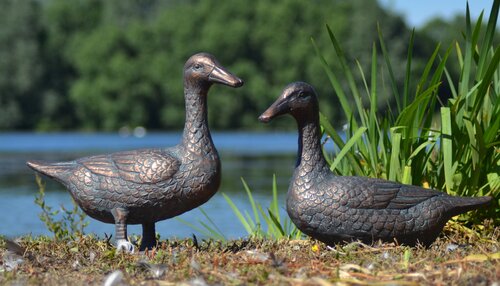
[51, 170]
[465, 204]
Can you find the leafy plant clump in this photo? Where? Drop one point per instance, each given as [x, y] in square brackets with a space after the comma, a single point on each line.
[452, 144]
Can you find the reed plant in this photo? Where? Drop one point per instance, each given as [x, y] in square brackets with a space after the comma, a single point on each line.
[261, 223]
[265, 223]
[452, 145]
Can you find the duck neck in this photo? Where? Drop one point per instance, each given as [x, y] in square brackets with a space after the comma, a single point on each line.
[196, 136]
[310, 155]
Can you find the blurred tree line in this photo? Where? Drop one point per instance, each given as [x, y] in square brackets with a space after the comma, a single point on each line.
[102, 65]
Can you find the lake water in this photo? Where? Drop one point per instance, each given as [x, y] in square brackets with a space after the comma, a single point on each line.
[252, 156]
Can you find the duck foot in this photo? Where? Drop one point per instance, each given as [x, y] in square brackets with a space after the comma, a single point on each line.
[125, 246]
[148, 240]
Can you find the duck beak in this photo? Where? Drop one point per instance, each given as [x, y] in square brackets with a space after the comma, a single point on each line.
[220, 75]
[278, 108]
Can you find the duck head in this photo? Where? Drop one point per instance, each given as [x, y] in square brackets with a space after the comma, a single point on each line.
[298, 99]
[202, 70]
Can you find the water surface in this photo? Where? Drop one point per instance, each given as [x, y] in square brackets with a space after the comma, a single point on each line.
[252, 156]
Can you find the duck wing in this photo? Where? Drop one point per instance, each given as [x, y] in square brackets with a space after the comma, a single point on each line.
[392, 195]
[373, 193]
[148, 166]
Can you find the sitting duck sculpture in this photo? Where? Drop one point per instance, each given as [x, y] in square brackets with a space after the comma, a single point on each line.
[336, 209]
[150, 185]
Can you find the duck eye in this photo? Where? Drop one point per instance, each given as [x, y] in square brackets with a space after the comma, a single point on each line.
[197, 67]
[302, 94]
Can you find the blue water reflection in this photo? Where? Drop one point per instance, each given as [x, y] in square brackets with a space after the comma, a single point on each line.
[253, 156]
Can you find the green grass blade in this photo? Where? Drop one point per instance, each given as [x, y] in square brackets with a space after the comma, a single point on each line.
[204, 232]
[427, 69]
[359, 101]
[466, 69]
[406, 88]
[460, 57]
[451, 84]
[438, 72]
[446, 147]
[215, 228]
[492, 131]
[393, 82]
[407, 179]
[215, 234]
[486, 80]
[335, 83]
[348, 145]
[492, 23]
[421, 148]
[373, 131]
[345, 67]
[373, 85]
[493, 183]
[272, 230]
[488, 38]
[395, 167]
[252, 202]
[355, 164]
[274, 203]
[275, 219]
[410, 113]
[251, 221]
[238, 214]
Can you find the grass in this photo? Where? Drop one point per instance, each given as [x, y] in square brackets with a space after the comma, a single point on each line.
[459, 257]
[263, 223]
[452, 146]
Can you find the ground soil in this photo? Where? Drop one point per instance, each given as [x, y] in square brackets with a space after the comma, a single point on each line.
[460, 256]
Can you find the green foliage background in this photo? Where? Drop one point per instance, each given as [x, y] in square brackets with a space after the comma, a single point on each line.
[101, 65]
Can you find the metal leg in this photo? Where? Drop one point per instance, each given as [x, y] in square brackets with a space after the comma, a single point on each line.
[122, 243]
[148, 236]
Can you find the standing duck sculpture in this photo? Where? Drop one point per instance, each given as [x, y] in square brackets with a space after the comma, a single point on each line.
[335, 209]
[150, 185]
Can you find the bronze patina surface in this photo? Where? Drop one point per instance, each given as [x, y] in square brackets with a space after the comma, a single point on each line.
[146, 186]
[336, 209]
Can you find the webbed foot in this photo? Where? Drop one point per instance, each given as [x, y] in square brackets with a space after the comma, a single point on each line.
[125, 246]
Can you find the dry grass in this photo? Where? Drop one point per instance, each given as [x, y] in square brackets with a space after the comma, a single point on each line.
[459, 257]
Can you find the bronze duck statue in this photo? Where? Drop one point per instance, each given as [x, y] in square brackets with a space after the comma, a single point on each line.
[150, 185]
[335, 209]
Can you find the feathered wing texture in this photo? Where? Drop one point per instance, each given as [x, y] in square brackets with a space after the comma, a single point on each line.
[52, 169]
[404, 196]
[148, 166]
[369, 193]
[141, 166]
